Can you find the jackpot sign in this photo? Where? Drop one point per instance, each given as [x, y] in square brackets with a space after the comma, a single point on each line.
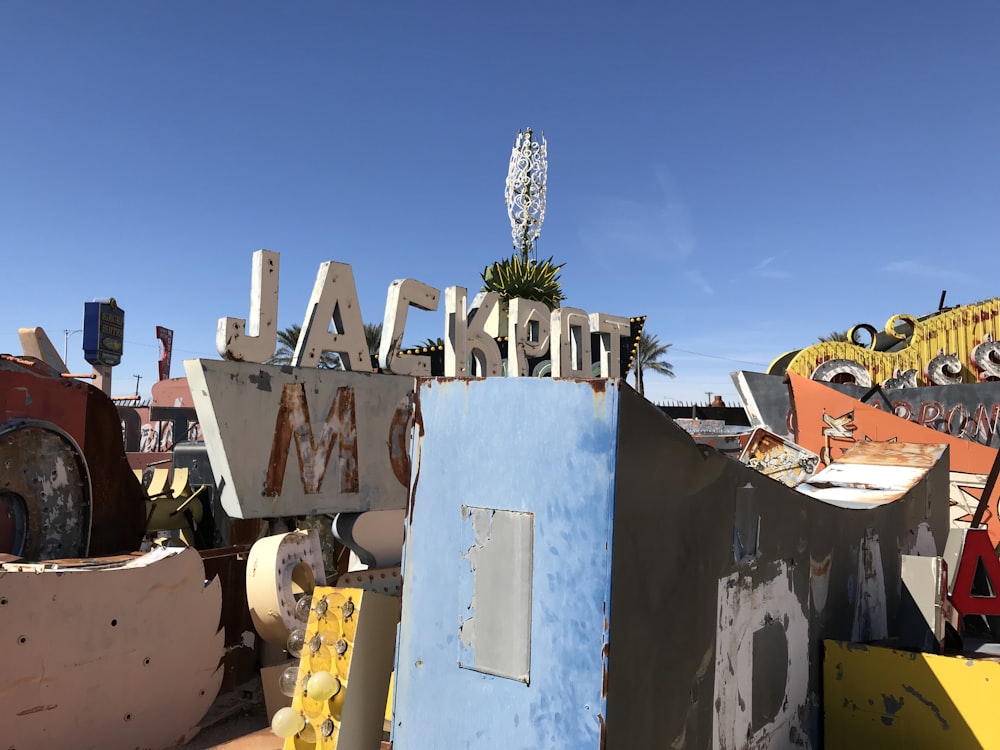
[333, 323]
[328, 441]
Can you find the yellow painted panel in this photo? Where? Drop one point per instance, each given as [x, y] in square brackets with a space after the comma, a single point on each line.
[350, 634]
[884, 698]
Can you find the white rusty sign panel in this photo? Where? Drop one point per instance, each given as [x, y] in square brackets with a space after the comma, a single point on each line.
[290, 441]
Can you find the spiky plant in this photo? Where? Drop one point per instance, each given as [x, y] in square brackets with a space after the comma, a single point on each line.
[535, 280]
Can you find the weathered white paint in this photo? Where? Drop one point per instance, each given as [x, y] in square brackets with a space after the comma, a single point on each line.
[570, 343]
[480, 332]
[743, 609]
[110, 656]
[254, 340]
[611, 329]
[334, 301]
[456, 356]
[35, 343]
[819, 581]
[278, 567]
[404, 293]
[924, 544]
[248, 446]
[494, 633]
[524, 318]
[870, 609]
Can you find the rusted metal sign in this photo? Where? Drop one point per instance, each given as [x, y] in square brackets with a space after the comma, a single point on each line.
[287, 441]
[829, 422]
[780, 459]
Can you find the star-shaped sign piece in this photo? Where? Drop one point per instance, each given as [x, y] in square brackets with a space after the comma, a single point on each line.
[839, 427]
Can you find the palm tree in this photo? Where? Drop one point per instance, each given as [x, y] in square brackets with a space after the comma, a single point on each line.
[649, 356]
[834, 336]
[288, 338]
[373, 335]
[430, 343]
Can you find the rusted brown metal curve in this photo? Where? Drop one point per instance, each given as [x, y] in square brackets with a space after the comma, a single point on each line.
[45, 478]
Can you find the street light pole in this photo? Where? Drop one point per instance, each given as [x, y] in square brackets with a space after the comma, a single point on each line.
[67, 333]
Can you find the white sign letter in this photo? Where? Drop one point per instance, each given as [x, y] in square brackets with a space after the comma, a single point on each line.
[570, 346]
[528, 334]
[256, 342]
[402, 294]
[334, 299]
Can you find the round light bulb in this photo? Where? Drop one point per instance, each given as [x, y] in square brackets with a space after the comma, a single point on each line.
[326, 728]
[302, 607]
[287, 722]
[289, 680]
[322, 686]
[296, 642]
[308, 734]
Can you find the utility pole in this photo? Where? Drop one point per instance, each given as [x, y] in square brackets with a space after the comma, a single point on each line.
[137, 379]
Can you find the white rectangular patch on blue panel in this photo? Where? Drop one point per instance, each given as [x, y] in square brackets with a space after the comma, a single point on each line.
[494, 632]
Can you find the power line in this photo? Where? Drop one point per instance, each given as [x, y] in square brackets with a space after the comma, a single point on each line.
[715, 356]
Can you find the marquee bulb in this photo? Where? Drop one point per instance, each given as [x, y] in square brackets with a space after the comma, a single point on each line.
[302, 607]
[289, 680]
[322, 686]
[296, 642]
[287, 722]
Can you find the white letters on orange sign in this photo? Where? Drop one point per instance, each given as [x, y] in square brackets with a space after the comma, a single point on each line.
[402, 294]
[334, 300]
[254, 342]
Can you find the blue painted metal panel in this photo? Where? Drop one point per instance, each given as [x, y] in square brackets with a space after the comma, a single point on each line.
[544, 447]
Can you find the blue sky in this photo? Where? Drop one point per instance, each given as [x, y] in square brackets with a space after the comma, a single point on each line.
[749, 175]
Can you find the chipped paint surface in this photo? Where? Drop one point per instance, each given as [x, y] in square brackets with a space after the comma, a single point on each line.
[494, 633]
[481, 447]
[762, 627]
[315, 441]
[870, 615]
[777, 458]
[879, 697]
[816, 403]
[102, 651]
[46, 482]
[617, 582]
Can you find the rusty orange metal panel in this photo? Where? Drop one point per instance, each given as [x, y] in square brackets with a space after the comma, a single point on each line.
[828, 422]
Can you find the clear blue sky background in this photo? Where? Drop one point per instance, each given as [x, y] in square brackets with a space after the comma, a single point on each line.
[749, 175]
